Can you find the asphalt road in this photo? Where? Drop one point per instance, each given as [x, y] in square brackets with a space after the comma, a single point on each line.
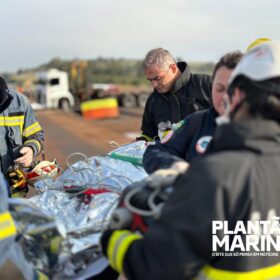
[67, 133]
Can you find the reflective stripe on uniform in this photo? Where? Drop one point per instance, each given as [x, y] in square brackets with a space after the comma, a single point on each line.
[41, 276]
[7, 226]
[12, 121]
[210, 273]
[118, 246]
[36, 142]
[32, 129]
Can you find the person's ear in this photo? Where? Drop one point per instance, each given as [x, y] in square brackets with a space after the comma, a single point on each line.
[237, 97]
[173, 67]
[239, 94]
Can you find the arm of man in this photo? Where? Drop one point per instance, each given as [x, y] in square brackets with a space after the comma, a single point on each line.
[32, 135]
[148, 127]
[163, 155]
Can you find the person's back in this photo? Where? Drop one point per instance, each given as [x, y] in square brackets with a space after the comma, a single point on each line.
[237, 180]
[241, 169]
[177, 92]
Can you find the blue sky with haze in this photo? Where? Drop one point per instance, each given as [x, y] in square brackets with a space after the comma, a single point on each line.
[35, 31]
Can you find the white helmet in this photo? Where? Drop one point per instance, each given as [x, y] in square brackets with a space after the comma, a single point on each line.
[260, 63]
[257, 42]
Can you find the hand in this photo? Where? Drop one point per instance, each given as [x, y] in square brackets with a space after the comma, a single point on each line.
[162, 178]
[180, 166]
[27, 156]
[166, 177]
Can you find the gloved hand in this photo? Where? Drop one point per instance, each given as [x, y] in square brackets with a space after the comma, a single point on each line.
[180, 166]
[142, 201]
[162, 178]
[115, 244]
[17, 182]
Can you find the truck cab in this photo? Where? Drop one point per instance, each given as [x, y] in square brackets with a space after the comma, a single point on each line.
[53, 90]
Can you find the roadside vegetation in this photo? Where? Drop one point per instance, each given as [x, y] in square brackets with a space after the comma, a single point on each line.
[99, 70]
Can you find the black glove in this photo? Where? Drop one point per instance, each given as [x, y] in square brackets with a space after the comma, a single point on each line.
[104, 240]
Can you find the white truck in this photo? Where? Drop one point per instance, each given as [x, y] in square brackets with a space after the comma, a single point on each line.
[53, 90]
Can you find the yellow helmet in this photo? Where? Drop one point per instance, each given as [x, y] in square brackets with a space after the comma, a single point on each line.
[257, 42]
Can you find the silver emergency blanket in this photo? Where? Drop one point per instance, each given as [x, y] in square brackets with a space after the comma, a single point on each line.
[132, 152]
[61, 226]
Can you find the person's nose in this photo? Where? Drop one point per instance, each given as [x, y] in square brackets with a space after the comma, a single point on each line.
[225, 97]
[154, 83]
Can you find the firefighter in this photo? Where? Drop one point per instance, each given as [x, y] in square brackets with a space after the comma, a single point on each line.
[21, 134]
[192, 135]
[13, 264]
[177, 92]
[235, 183]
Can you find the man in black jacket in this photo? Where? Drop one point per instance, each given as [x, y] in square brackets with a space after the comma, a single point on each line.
[222, 219]
[190, 137]
[177, 93]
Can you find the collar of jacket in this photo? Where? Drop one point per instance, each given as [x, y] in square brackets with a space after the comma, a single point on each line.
[183, 78]
[258, 135]
[5, 97]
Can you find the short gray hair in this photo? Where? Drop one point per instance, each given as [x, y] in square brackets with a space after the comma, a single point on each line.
[160, 57]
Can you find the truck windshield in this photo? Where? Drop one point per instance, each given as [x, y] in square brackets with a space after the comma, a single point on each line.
[54, 82]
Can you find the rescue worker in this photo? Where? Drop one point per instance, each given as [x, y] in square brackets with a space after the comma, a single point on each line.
[21, 134]
[236, 181]
[192, 135]
[177, 92]
[13, 264]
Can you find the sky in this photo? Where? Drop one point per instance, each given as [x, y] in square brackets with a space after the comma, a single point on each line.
[35, 31]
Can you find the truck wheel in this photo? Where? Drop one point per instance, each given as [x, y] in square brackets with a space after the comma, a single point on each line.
[128, 101]
[142, 99]
[64, 105]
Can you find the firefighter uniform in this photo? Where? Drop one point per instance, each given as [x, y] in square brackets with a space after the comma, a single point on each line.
[18, 126]
[13, 264]
[237, 179]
